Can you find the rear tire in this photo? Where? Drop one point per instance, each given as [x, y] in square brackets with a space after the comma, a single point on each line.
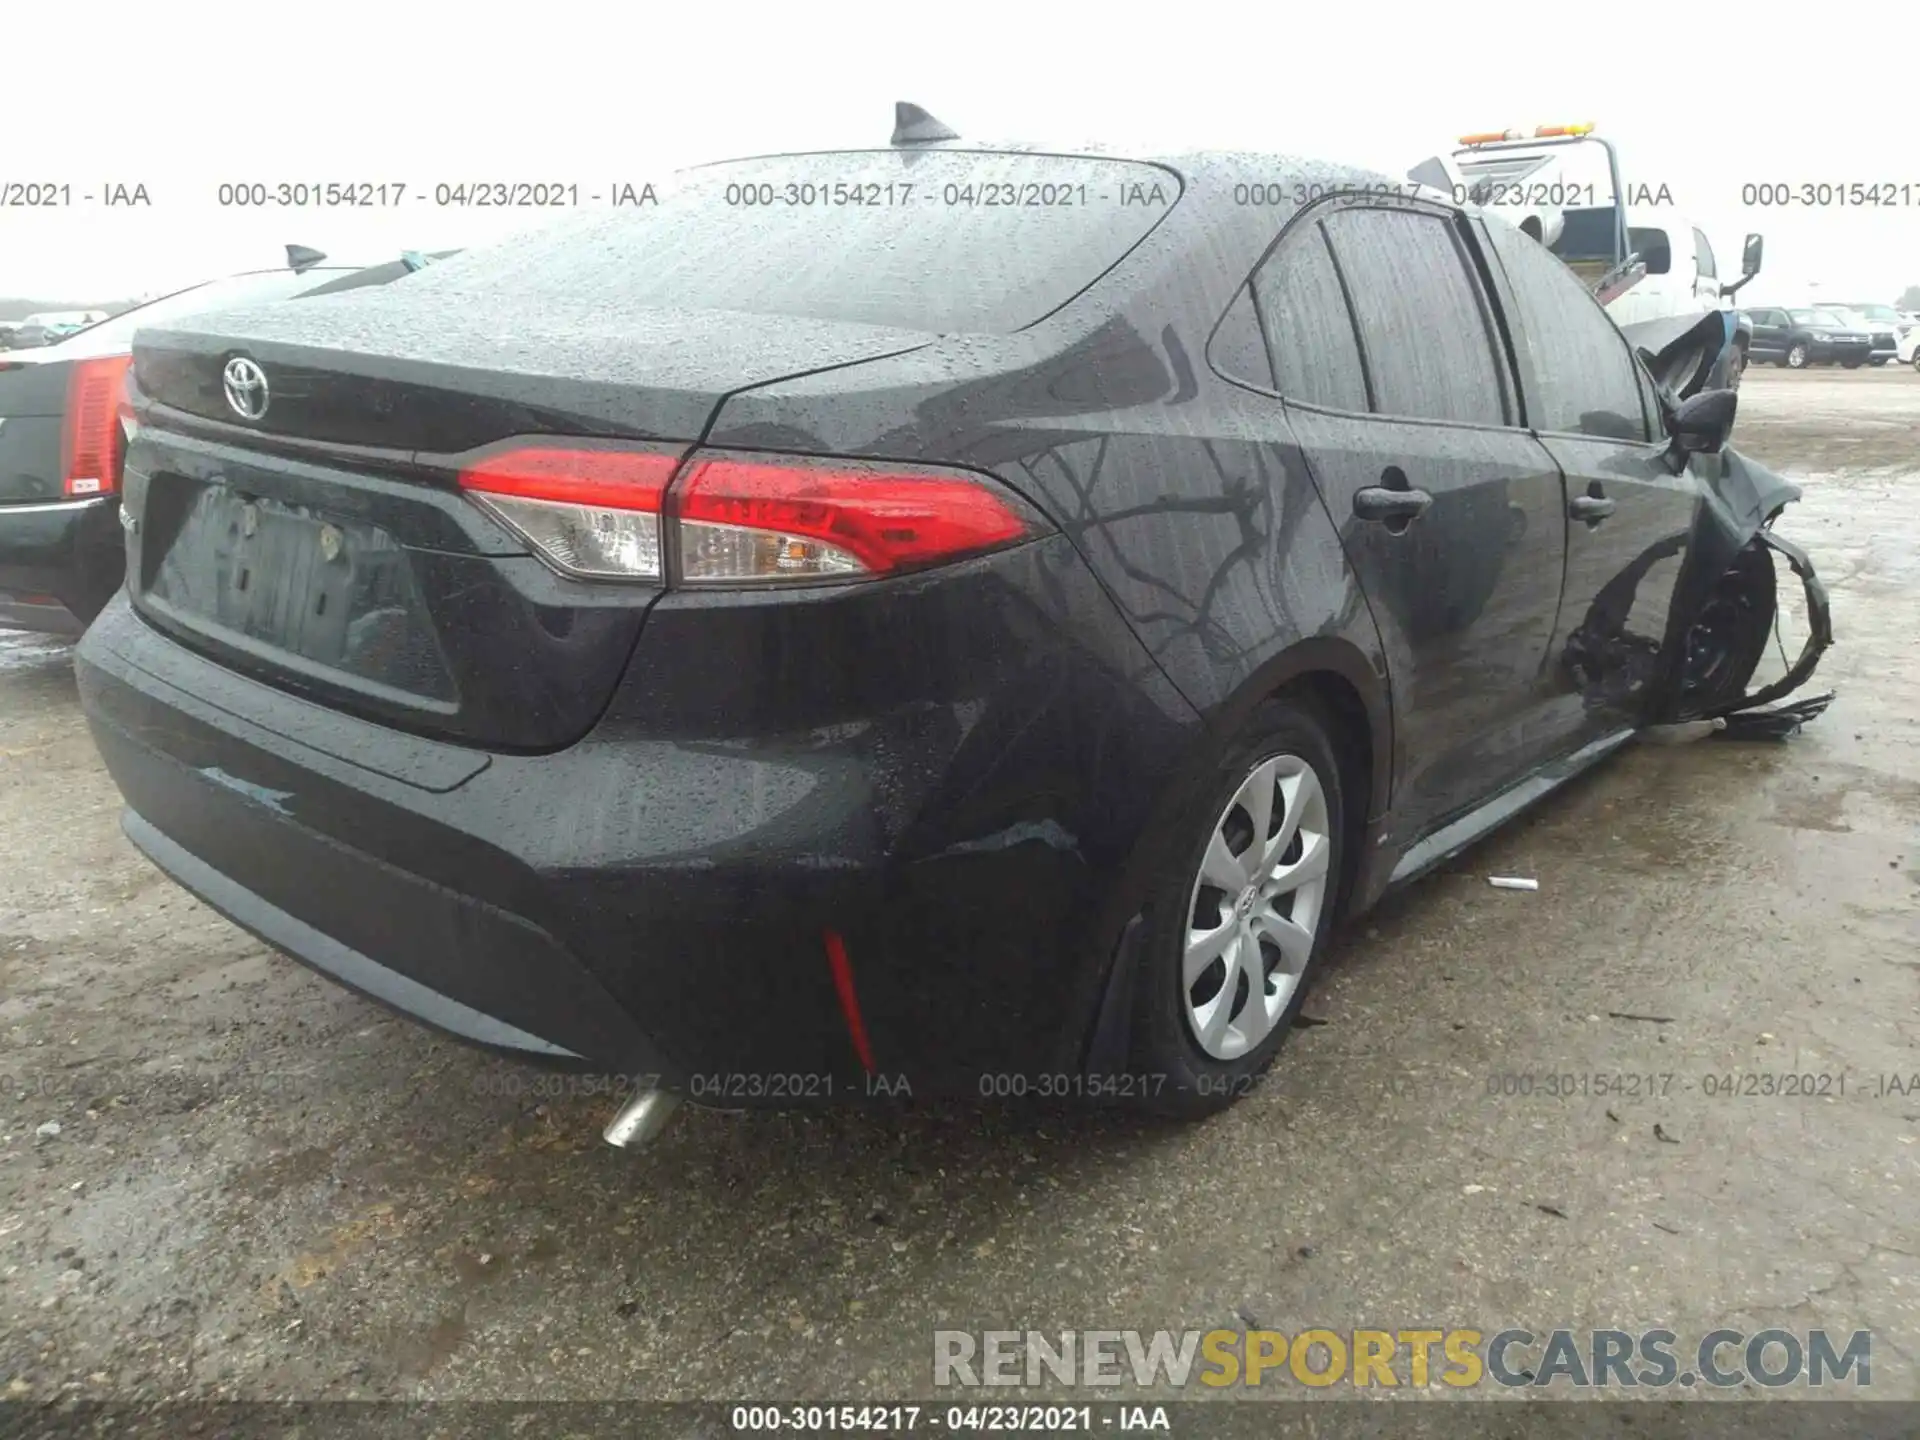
[1205, 1028]
[1851, 364]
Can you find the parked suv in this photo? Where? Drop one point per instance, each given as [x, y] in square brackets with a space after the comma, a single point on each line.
[984, 632]
[1882, 324]
[1801, 337]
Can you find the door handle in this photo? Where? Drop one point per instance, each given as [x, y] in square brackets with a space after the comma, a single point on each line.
[1590, 508]
[1376, 502]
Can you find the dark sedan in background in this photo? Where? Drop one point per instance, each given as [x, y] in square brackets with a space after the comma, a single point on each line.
[1797, 338]
[24, 335]
[63, 436]
[976, 635]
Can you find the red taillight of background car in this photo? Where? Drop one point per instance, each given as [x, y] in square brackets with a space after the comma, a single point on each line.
[741, 519]
[92, 444]
[590, 510]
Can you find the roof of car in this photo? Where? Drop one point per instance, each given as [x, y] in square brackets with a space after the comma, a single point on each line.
[1231, 166]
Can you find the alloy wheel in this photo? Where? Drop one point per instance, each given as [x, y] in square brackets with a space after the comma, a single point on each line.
[1797, 357]
[1255, 906]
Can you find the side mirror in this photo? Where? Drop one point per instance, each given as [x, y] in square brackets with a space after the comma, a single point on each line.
[1701, 424]
[1749, 264]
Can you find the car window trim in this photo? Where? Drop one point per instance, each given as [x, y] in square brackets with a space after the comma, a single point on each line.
[1287, 233]
[1499, 342]
[1506, 303]
[1309, 216]
[1633, 360]
[1244, 293]
[1447, 215]
[1353, 316]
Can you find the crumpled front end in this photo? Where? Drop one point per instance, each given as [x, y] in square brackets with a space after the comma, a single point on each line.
[1690, 354]
[1729, 605]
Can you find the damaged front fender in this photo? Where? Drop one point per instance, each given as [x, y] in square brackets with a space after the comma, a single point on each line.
[1726, 607]
[1688, 355]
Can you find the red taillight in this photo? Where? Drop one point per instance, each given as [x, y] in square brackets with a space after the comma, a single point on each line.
[610, 511]
[612, 477]
[747, 518]
[92, 445]
[590, 510]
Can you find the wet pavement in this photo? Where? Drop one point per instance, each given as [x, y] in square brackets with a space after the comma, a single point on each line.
[262, 1186]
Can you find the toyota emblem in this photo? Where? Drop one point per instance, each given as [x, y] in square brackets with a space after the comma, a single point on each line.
[246, 387]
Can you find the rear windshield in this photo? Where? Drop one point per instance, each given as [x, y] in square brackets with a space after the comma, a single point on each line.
[938, 241]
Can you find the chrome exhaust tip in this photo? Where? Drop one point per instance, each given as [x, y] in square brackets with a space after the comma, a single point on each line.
[644, 1116]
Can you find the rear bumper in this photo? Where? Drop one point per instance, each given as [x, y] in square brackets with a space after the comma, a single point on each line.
[60, 562]
[654, 900]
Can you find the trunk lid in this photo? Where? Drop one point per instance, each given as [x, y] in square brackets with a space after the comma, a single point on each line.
[325, 547]
[397, 371]
[299, 516]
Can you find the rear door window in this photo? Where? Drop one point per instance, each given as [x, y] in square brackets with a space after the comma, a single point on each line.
[1309, 329]
[1583, 374]
[1423, 324]
[946, 242]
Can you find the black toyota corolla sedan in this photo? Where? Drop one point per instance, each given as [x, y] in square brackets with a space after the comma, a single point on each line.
[949, 616]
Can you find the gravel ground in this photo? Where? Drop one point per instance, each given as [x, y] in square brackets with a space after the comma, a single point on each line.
[262, 1186]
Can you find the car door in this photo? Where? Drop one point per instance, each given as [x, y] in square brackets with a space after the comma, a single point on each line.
[1629, 517]
[1380, 341]
[1767, 334]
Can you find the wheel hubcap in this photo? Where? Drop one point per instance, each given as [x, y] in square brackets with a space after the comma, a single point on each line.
[1255, 906]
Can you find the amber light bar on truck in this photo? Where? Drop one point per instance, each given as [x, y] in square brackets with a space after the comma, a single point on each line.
[606, 510]
[1539, 132]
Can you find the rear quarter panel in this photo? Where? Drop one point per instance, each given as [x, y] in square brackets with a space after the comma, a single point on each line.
[1189, 504]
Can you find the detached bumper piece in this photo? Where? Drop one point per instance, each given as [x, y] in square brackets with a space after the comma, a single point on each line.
[1780, 723]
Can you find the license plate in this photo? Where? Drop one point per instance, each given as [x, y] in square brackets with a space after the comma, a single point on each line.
[335, 591]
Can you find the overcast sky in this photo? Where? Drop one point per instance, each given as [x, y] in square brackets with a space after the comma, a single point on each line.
[183, 96]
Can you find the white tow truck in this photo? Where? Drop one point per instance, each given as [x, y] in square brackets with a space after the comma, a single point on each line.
[1646, 261]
